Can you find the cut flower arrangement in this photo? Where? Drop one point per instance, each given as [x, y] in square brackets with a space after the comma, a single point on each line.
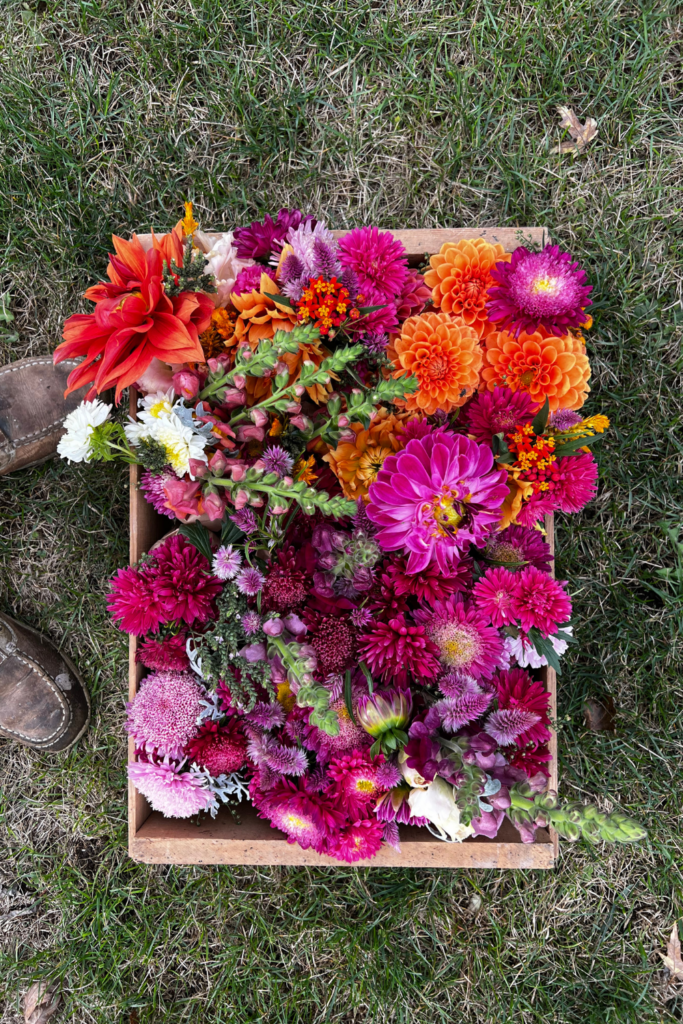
[346, 625]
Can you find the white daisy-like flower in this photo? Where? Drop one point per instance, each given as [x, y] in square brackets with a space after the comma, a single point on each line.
[182, 443]
[75, 444]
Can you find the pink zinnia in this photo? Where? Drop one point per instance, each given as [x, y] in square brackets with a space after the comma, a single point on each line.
[577, 483]
[174, 793]
[134, 603]
[539, 289]
[494, 596]
[183, 584]
[435, 498]
[541, 601]
[356, 780]
[166, 653]
[377, 259]
[162, 717]
[466, 641]
[498, 411]
[516, 545]
[516, 689]
[359, 841]
[508, 725]
[248, 279]
[395, 650]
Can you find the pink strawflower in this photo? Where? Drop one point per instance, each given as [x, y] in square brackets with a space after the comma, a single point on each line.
[183, 583]
[414, 296]
[507, 725]
[162, 717]
[226, 562]
[494, 596]
[538, 289]
[396, 650]
[455, 712]
[517, 545]
[359, 841]
[577, 483]
[466, 641]
[249, 581]
[356, 781]
[540, 601]
[498, 411]
[152, 486]
[221, 749]
[306, 818]
[377, 259]
[134, 602]
[537, 507]
[435, 498]
[174, 793]
[516, 689]
[167, 653]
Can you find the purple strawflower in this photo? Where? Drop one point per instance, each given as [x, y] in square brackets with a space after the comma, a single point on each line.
[375, 343]
[564, 419]
[509, 723]
[266, 716]
[248, 280]
[262, 237]
[377, 259]
[174, 793]
[498, 411]
[277, 460]
[517, 546]
[251, 622]
[226, 562]
[152, 486]
[455, 712]
[245, 520]
[539, 289]
[250, 581]
[162, 717]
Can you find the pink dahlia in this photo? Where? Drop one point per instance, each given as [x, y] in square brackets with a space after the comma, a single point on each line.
[577, 483]
[152, 486]
[248, 280]
[498, 411]
[516, 689]
[508, 725]
[306, 818]
[134, 603]
[541, 601]
[262, 237]
[377, 259]
[514, 547]
[221, 749]
[539, 289]
[167, 652]
[465, 640]
[356, 778]
[430, 585]
[494, 596]
[378, 323]
[183, 583]
[414, 296]
[174, 793]
[359, 841]
[395, 651]
[530, 760]
[436, 497]
[162, 718]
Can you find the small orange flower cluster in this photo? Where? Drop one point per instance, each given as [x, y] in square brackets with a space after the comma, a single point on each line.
[325, 304]
[535, 456]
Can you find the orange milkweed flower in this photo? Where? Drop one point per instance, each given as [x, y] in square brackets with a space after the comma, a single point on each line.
[445, 356]
[540, 363]
[460, 276]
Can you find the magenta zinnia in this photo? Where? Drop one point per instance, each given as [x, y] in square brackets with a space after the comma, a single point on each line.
[577, 483]
[377, 259]
[174, 793]
[466, 641]
[396, 650]
[539, 289]
[540, 601]
[435, 498]
[498, 411]
[162, 718]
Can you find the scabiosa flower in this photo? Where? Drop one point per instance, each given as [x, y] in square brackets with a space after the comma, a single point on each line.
[221, 749]
[305, 817]
[226, 562]
[245, 520]
[509, 723]
[251, 622]
[356, 780]
[167, 652]
[182, 582]
[436, 497]
[516, 689]
[359, 841]
[134, 602]
[248, 280]
[463, 637]
[262, 237]
[514, 547]
[174, 793]
[377, 259]
[541, 601]
[577, 483]
[162, 718]
[498, 411]
[249, 581]
[333, 639]
[494, 596]
[152, 486]
[455, 712]
[375, 342]
[430, 585]
[277, 460]
[539, 289]
[395, 651]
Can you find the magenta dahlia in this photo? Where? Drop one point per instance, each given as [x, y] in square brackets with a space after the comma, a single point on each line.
[494, 596]
[516, 546]
[162, 717]
[377, 259]
[530, 760]
[221, 749]
[498, 411]
[516, 689]
[577, 483]
[541, 601]
[134, 602]
[359, 841]
[396, 651]
[183, 583]
[164, 653]
[465, 640]
[430, 585]
[173, 793]
[537, 507]
[539, 289]
[152, 486]
[262, 237]
[356, 778]
[380, 322]
[414, 296]
[434, 498]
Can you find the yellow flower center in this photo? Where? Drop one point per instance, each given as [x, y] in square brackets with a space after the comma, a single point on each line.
[160, 408]
[296, 822]
[527, 378]
[548, 285]
[449, 514]
[364, 786]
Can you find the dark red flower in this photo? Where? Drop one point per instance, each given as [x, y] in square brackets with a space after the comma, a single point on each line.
[333, 639]
[182, 582]
[517, 690]
[430, 585]
[220, 748]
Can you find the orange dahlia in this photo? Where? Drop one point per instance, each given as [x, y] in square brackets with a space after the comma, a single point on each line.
[545, 366]
[260, 317]
[445, 356]
[460, 277]
[357, 463]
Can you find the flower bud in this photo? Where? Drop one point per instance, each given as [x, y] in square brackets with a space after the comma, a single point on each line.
[299, 390]
[186, 383]
[274, 627]
[293, 408]
[241, 499]
[258, 416]
[294, 624]
[253, 652]
[302, 422]
[343, 421]
[240, 381]
[198, 468]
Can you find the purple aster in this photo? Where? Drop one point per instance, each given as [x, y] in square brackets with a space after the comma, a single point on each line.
[377, 259]
[498, 411]
[162, 718]
[174, 793]
[245, 520]
[226, 562]
[455, 712]
[251, 622]
[564, 419]
[152, 486]
[262, 237]
[250, 581]
[248, 280]
[509, 723]
[277, 460]
[539, 289]
[518, 546]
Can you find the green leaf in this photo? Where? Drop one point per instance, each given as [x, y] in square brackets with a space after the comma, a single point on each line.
[570, 447]
[544, 647]
[281, 300]
[540, 420]
[366, 672]
[198, 535]
[364, 310]
[348, 696]
[231, 533]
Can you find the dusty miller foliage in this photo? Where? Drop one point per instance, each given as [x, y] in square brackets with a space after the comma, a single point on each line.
[218, 649]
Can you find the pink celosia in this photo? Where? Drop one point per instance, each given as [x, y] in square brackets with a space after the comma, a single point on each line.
[183, 584]
[507, 725]
[464, 637]
[577, 483]
[498, 411]
[176, 794]
[540, 601]
[455, 712]
[517, 545]
[167, 652]
[435, 498]
[516, 689]
[377, 259]
[397, 650]
[162, 717]
[359, 841]
[493, 595]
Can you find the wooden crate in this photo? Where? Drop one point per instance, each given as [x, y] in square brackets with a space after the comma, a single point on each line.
[154, 839]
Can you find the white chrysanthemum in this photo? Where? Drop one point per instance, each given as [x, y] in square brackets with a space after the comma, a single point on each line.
[156, 406]
[181, 443]
[75, 445]
[527, 656]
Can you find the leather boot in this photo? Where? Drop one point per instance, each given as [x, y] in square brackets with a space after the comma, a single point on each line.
[43, 702]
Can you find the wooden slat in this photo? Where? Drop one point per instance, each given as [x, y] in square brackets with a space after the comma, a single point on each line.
[551, 685]
[419, 241]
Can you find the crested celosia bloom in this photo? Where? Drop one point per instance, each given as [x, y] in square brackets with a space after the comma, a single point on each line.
[460, 276]
[516, 689]
[465, 639]
[226, 562]
[577, 481]
[498, 412]
[444, 355]
[152, 486]
[356, 777]
[162, 717]
[437, 496]
[397, 650]
[168, 652]
[359, 841]
[174, 793]
[516, 546]
[494, 596]
[540, 601]
[510, 723]
[537, 289]
[357, 463]
[183, 583]
[377, 259]
[545, 366]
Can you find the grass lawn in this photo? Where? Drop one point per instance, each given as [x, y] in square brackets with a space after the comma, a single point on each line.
[423, 113]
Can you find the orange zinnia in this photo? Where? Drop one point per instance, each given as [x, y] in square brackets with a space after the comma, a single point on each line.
[460, 278]
[545, 366]
[356, 464]
[445, 356]
[260, 317]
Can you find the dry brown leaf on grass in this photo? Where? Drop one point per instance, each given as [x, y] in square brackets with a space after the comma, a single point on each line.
[41, 1002]
[672, 958]
[581, 133]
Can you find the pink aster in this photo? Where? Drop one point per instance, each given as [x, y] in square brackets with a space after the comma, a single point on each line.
[377, 259]
[183, 583]
[507, 725]
[494, 596]
[435, 498]
[498, 411]
[162, 717]
[359, 841]
[577, 483]
[514, 547]
[167, 652]
[133, 602]
[306, 818]
[516, 689]
[464, 637]
[541, 601]
[396, 650]
[174, 793]
[539, 289]
[356, 780]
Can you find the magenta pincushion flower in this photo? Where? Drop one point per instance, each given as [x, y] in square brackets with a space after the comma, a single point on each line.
[164, 653]
[540, 601]
[356, 780]
[377, 259]
[152, 486]
[359, 841]
[435, 498]
[277, 460]
[227, 562]
[183, 583]
[498, 411]
[396, 650]
[538, 289]
[134, 602]
[464, 637]
[517, 545]
[577, 483]
[494, 596]
[162, 718]
[507, 725]
[221, 749]
[516, 689]
[174, 793]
